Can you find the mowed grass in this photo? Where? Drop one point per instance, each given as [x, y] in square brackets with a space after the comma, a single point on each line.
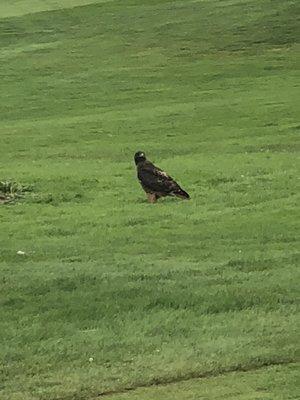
[273, 383]
[115, 293]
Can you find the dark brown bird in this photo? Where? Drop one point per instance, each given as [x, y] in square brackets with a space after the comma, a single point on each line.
[155, 182]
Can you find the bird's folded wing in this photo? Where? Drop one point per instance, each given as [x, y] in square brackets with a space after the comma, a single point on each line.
[156, 179]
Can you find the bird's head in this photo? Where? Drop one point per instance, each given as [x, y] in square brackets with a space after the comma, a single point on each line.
[139, 157]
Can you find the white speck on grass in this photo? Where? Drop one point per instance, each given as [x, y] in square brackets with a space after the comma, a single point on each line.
[21, 253]
[91, 359]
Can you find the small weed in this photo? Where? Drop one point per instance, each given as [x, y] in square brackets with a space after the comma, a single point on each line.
[11, 191]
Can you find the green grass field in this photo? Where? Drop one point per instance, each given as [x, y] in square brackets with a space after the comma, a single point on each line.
[177, 300]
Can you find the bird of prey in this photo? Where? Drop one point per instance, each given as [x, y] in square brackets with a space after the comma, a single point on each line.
[155, 182]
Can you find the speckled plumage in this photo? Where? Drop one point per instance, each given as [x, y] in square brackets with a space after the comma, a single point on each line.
[155, 182]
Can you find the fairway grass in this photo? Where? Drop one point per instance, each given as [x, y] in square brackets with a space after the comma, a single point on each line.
[109, 292]
[274, 383]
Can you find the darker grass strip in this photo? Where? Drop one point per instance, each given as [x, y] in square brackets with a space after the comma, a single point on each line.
[160, 381]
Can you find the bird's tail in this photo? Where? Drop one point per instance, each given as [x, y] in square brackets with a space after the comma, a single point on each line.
[182, 194]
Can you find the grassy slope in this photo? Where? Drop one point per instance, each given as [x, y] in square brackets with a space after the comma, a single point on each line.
[13, 8]
[207, 89]
[274, 383]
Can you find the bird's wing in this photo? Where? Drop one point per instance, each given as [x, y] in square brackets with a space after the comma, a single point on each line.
[156, 180]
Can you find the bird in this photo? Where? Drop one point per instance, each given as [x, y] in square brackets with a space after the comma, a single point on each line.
[155, 182]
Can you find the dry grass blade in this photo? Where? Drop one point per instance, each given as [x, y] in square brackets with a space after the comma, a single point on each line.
[10, 191]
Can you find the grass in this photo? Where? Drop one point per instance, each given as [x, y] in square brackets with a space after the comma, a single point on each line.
[273, 383]
[163, 293]
[11, 191]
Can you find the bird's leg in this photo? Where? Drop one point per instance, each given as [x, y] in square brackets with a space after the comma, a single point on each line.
[151, 197]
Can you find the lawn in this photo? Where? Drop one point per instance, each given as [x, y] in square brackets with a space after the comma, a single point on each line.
[187, 299]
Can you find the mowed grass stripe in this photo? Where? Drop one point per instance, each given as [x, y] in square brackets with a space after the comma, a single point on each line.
[12, 8]
[270, 383]
[151, 294]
